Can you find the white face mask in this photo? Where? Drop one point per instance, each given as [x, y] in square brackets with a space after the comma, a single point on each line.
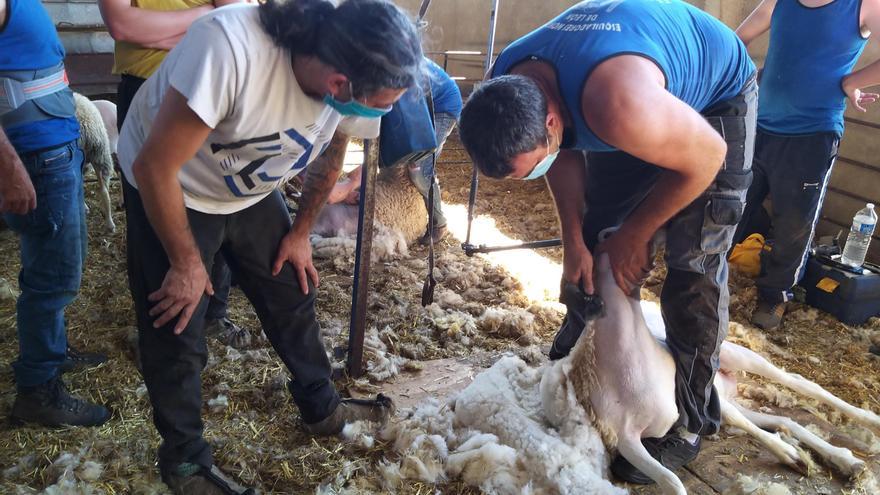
[542, 168]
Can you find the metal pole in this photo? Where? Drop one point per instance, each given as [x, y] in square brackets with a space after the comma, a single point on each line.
[493, 22]
[482, 248]
[475, 178]
[357, 325]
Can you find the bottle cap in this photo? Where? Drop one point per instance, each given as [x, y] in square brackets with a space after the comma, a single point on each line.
[871, 205]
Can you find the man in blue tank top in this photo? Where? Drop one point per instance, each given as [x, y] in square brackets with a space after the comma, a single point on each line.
[807, 80]
[662, 98]
[41, 198]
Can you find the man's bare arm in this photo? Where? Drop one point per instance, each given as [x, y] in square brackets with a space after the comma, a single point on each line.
[627, 106]
[17, 193]
[757, 23]
[567, 179]
[870, 74]
[321, 175]
[295, 247]
[176, 135]
[145, 27]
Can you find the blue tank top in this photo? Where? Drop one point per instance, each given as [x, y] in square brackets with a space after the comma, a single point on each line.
[29, 42]
[444, 90]
[702, 59]
[811, 50]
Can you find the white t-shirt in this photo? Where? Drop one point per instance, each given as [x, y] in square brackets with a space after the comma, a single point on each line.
[265, 128]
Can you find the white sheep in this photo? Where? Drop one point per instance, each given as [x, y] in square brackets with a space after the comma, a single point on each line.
[98, 137]
[623, 375]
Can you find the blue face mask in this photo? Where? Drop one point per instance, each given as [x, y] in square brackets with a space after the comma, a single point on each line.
[544, 166]
[354, 108]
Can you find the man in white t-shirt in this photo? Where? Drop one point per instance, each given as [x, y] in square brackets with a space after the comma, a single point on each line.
[243, 103]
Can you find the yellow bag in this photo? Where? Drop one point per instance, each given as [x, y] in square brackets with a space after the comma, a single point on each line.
[746, 256]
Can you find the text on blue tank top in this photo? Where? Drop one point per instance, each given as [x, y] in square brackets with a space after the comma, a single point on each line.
[702, 59]
[811, 50]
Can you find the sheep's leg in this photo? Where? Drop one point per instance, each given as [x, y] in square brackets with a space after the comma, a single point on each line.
[631, 448]
[733, 416]
[735, 357]
[839, 457]
[104, 196]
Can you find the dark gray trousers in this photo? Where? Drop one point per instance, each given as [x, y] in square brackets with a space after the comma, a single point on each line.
[695, 297]
[172, 364]
[794, 171]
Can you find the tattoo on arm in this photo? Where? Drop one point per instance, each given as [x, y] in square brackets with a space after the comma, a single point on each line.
[320, 177]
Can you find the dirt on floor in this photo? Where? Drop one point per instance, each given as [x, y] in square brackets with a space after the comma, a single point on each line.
[249, 418]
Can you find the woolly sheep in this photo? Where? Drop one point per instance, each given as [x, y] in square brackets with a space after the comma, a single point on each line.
[399, 207]
[98, 137]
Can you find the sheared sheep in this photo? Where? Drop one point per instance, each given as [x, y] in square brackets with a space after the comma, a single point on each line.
[98, 137]
[625, 378]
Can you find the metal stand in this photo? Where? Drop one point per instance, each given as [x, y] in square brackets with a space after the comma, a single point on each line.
[475, 178]
[470, 249]
[358, 322]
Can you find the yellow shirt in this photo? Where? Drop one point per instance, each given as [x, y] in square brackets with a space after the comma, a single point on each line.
[136, 60]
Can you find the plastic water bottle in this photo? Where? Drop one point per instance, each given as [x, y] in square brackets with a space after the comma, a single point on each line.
[856, 246]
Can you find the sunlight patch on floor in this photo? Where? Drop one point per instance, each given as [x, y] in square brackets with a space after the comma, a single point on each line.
[538, 275]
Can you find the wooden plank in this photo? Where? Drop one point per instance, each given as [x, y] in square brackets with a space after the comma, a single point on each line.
[857, 181]
[693, 485]
[861, 143]
[85, 42]
[90, 73]
[439, 379]
[75, 14]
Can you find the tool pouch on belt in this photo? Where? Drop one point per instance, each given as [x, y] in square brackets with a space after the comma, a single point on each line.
[15, 106]
[726, 195]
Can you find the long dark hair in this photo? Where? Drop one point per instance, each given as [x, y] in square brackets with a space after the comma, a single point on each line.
[373, 42]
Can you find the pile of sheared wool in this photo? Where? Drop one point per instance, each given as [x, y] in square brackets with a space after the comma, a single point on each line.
[381, 365]
[387, 244]
[74, 474]
[495, 436]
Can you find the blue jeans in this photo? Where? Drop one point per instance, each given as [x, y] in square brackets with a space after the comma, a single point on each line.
[53, 249]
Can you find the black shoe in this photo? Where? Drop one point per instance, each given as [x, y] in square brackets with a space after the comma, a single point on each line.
[50, 404]
[227, 332]
[672, 451]
[192, 479]
[768, 315]
[437, 233]
[77, 360]
[351, 410]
